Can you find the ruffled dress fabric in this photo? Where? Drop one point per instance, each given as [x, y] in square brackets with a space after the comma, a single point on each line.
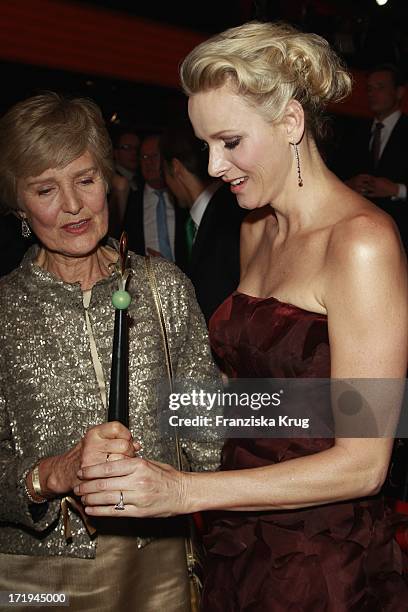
[339, 557]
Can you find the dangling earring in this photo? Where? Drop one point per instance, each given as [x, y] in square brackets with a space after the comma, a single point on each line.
[25, 229]
[300, 180]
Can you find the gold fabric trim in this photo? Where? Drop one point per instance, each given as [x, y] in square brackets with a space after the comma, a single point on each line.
[86, 300]
[68, 502]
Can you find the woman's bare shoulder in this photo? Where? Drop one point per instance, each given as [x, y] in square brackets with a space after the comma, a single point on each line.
[365, 234]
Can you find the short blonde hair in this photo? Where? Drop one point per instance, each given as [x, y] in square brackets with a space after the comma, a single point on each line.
[270, 64]
[49, 131]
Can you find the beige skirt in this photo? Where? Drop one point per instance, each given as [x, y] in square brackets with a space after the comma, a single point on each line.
[121, 577]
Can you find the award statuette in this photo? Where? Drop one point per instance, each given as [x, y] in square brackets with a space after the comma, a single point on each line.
[119, 384]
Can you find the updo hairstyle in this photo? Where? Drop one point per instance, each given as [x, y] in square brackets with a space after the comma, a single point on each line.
[270, 64]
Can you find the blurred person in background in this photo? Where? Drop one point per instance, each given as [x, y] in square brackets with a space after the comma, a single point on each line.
[154, 224]
[373, 162]
[125, 181]
[214, 222]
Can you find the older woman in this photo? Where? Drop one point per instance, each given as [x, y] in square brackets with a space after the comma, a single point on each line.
[323, 292]
[56, 339]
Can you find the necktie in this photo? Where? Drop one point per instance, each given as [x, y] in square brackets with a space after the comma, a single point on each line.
[191, 230]
[162, 229]
[376, 143]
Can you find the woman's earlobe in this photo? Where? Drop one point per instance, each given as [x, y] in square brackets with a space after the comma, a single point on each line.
[19, 213]
[295, 121]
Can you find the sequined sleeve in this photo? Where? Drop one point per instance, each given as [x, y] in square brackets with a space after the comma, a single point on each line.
[15, 507]
[191, 356]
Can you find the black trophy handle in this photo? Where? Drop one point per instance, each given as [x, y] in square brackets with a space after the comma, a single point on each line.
[119, 385]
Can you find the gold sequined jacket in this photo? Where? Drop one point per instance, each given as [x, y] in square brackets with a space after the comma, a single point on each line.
[49, 393]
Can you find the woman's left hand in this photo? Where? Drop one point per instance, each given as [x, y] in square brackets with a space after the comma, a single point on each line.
[149, 488]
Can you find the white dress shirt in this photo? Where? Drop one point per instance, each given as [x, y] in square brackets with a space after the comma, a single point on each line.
[150, 200]
[200, 205]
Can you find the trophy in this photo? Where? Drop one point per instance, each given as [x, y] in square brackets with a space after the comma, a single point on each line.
[118, 409]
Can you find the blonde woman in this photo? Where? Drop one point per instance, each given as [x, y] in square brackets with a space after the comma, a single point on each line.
[323, 293]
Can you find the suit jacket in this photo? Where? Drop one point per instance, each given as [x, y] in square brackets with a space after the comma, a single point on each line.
[133, 225]
[214, 266]
[393, 165]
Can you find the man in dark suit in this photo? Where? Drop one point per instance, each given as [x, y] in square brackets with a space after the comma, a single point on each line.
[376, 164]
[155, 226]
[126, 146]
[213, 227]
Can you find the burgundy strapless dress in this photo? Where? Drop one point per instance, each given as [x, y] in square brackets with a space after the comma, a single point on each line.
[339, 557]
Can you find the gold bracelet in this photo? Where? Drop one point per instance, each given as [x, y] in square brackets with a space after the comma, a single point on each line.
[27, 492]
[35, 479]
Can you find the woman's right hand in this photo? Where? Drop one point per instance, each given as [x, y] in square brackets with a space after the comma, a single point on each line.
[108, 441]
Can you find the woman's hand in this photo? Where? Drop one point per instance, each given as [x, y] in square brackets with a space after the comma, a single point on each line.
[149, 488]
[102, 443]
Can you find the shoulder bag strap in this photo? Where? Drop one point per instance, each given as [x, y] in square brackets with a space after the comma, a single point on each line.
[159, 308]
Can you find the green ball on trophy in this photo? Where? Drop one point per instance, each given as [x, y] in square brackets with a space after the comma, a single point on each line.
[121, 300]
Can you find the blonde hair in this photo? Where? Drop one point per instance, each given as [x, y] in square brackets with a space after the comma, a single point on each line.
[270, 64]
[49, 131]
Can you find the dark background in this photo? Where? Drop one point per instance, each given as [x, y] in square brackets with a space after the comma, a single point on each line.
[376, 34]
[362, 32]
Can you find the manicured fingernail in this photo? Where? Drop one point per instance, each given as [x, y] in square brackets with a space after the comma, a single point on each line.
[80, 473]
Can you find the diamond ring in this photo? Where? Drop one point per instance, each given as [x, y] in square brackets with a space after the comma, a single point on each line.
[120, 505]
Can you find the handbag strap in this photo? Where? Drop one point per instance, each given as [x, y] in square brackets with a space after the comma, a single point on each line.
[191, 558]
[165, 337]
